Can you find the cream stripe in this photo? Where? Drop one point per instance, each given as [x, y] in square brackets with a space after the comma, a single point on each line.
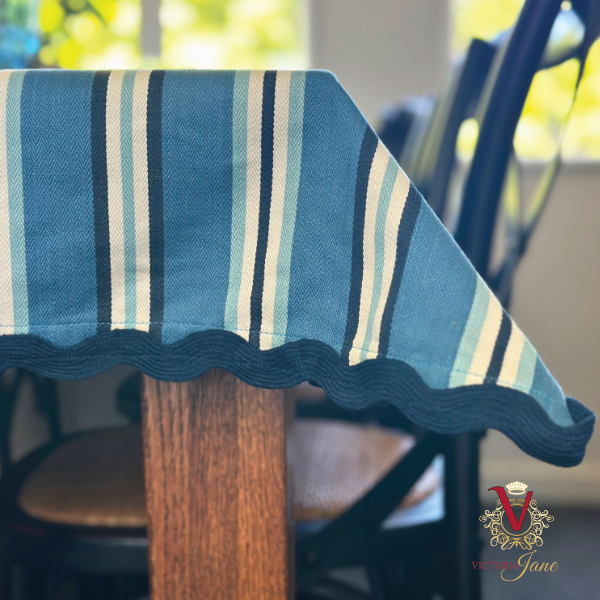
[7, 317]
[392, 223]
[512, 357]
[140, 191]
[255, 97]
[471, 333]
[487, 341]
[280, 146]
[376, 175]
[115, 198]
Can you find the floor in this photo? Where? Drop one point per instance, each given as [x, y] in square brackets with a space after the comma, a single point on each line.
[573, 541]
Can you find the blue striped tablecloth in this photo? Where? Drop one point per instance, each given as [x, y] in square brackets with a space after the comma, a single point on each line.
[184, 220]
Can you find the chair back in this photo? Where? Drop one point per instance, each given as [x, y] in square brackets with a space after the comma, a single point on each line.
[501, 105]
[421, 133]
[400, 122]
[458, 102]
[12, 387]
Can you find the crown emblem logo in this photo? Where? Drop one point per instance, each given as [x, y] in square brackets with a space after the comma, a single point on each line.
[525, 530]
[516, 488]
[516, 522]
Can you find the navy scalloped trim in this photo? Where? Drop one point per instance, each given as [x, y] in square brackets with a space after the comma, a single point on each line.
[372, 382]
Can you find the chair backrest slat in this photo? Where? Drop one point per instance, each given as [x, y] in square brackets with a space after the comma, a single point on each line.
[518, 64]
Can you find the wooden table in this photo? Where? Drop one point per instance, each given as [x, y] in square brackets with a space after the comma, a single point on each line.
[219, 524]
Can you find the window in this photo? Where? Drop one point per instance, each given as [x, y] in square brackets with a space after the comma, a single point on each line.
[550, 96]
[92, 34]
[226, 34]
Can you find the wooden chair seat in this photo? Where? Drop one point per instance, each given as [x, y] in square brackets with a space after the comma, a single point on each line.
[334, 463]
[97, 479]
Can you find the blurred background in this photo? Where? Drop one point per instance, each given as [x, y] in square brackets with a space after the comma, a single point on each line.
[394, 48]
[383, 52]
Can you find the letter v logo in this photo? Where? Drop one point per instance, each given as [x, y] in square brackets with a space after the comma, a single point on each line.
[508, 509]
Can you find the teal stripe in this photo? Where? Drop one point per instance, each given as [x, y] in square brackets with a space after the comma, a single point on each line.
[527, 366]
[238, 208]
[385, 196]
[128, 197]
[292, 182]
[15, 202]
[470, 337]
[549, 395]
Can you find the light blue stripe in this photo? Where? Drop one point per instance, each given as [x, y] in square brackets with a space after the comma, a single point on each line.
[294, 163]
[238, 209]
[527, 365]
[128, 197]
[470, 337]
[549, 395]
[15, 202]
[385, 196]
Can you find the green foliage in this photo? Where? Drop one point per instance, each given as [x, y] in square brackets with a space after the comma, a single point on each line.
[92, 34]
[258, 34]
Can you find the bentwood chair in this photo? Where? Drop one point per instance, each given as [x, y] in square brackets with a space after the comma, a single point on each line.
[87, 491]
[224, 230]
[72, 512]
[404, 127]
[498, 121]
[430, 165]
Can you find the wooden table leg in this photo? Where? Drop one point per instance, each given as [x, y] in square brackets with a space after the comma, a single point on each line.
[216, 489]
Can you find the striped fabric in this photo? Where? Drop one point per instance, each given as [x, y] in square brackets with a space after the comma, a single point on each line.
[13, 274]
[258, 207]
[267, 146]
[121, 198]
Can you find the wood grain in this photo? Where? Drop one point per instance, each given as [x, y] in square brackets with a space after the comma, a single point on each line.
[215, 470]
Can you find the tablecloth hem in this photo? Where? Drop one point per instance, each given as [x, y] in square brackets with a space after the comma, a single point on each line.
[446, 411]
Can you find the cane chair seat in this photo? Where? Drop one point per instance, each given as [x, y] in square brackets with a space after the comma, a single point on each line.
[334, 463]
[96, 480]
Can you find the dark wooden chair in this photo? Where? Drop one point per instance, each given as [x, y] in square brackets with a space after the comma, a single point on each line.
[522, 56]
[71, 509]
[75, 507]
[431, 163]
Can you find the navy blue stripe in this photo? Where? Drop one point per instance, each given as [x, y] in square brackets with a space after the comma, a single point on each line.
[266, 183]
[365, 159]
[155, 199]
[100, 190]
[493, 371]
[405, 233]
